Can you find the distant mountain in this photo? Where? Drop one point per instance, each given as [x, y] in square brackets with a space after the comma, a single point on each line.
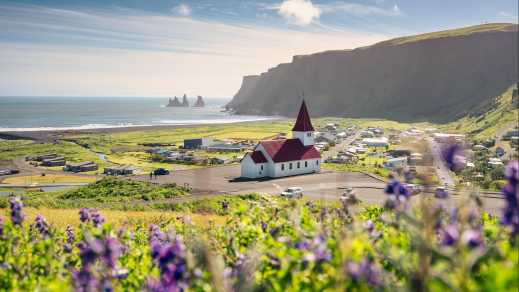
[436, 77]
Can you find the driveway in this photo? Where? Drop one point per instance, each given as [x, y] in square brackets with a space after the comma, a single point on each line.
[326, 185]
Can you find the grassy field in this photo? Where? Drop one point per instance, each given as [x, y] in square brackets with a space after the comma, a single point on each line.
[49, 178]
[63, 217]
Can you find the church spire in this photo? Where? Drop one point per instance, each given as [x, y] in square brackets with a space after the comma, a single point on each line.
[303, 122]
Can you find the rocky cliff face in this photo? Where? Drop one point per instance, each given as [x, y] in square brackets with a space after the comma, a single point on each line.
[435, 77]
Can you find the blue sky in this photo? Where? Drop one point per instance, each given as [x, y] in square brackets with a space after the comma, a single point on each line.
[166, 47]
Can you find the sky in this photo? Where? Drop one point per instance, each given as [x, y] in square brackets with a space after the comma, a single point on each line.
[198, 47]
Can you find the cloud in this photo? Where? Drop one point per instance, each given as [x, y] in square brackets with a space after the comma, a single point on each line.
[360, 9]
[135, 53]
[299, 12]
[182, 10]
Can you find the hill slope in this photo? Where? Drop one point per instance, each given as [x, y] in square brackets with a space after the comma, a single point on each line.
[436, 77]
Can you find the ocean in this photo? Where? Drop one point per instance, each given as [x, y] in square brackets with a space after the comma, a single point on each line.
[67, 113]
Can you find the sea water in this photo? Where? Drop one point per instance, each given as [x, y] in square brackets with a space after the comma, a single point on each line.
[63, 113]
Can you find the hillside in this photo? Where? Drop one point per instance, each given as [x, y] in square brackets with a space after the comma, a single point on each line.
[437, 77]
[500, 114]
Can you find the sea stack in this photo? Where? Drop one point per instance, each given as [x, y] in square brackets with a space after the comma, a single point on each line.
[174, 102]
[199, 102]
[184, 101]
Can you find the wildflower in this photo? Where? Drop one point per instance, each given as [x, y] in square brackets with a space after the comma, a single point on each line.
[154, 234]
[225, 205]
[264, 226]
[510, 216]
[70, 239]
[316, 249]
[41, 225]
[472, 238]
[449, 235]
[170, 259]
[454, 157]
[84, 215]
[1, 226]
[17, 215]
[365, 271]
[398, 195]
[111, 251]
[96, 217]
[441, 193]
[369, 226]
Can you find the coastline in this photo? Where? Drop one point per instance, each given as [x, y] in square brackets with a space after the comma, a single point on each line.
[54, 134]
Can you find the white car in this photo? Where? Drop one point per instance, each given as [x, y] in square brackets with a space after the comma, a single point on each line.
[293, 192]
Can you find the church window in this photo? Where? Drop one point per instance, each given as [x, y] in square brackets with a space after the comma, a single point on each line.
[290, 165]
[306, 163]
[282, 166]
[299, 165]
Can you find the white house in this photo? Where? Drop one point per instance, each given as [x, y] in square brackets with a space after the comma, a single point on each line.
[285, 157]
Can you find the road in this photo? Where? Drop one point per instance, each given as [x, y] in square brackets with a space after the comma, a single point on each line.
[340, 146]
[326, 185]
[444, 174]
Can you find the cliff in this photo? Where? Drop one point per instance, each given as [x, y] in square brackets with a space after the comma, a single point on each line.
[436, 77]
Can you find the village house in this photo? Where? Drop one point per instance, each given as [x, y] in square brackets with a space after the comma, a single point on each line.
[286, 157]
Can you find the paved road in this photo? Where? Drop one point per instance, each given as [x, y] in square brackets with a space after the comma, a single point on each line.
[327, 185]
[443, 173]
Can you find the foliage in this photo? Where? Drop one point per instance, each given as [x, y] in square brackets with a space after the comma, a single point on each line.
[267, 243]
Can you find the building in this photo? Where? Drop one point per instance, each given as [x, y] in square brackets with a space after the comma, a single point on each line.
[57, 161]
[198, 143]
[286, 157]
[376, 142]
[119, 170]
[80, 167]
[395, 163]
[227, 147]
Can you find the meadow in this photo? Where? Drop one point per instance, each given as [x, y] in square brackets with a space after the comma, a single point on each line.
[264, 243]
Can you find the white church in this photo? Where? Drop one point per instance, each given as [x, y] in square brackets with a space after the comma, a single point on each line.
[285, 157]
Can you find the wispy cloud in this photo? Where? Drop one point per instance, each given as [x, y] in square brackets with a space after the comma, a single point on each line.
[360, 9]
[182, 10]
[122, 52]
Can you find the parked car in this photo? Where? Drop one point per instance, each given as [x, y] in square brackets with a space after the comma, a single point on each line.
[161, 171]
[293, 192]
[415, 189]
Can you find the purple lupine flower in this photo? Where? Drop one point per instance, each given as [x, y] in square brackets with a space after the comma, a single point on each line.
[154, 234]
[1, 226]
[365, 271]
[84, 215]
[225, 205]
[70, 234]
[473, 238]
[111, 251]
[441, 193]
[96, 217]
[264, 226]
[449, 235]
[17, 215]
[41, 225]
[454, 157]
[84, 280]
[316, 249]
[67, 247]
[369, 226]
[170, 259]
[510, 216]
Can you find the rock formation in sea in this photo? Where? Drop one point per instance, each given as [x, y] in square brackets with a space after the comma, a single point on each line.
[199, 102]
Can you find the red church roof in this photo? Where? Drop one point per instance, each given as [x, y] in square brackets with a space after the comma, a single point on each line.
[289, 150]
[303, 123]
[258, 157]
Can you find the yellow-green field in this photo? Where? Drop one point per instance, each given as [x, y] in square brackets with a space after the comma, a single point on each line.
[49, 178]
[63, 217]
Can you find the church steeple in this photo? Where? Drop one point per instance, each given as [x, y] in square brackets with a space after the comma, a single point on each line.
[303, 122]
[303, 129]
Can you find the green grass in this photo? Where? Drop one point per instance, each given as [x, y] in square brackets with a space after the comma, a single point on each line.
[501, 115]
[465, 31]
[108, 193]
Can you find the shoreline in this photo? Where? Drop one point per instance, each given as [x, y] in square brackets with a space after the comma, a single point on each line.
[55, 134]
